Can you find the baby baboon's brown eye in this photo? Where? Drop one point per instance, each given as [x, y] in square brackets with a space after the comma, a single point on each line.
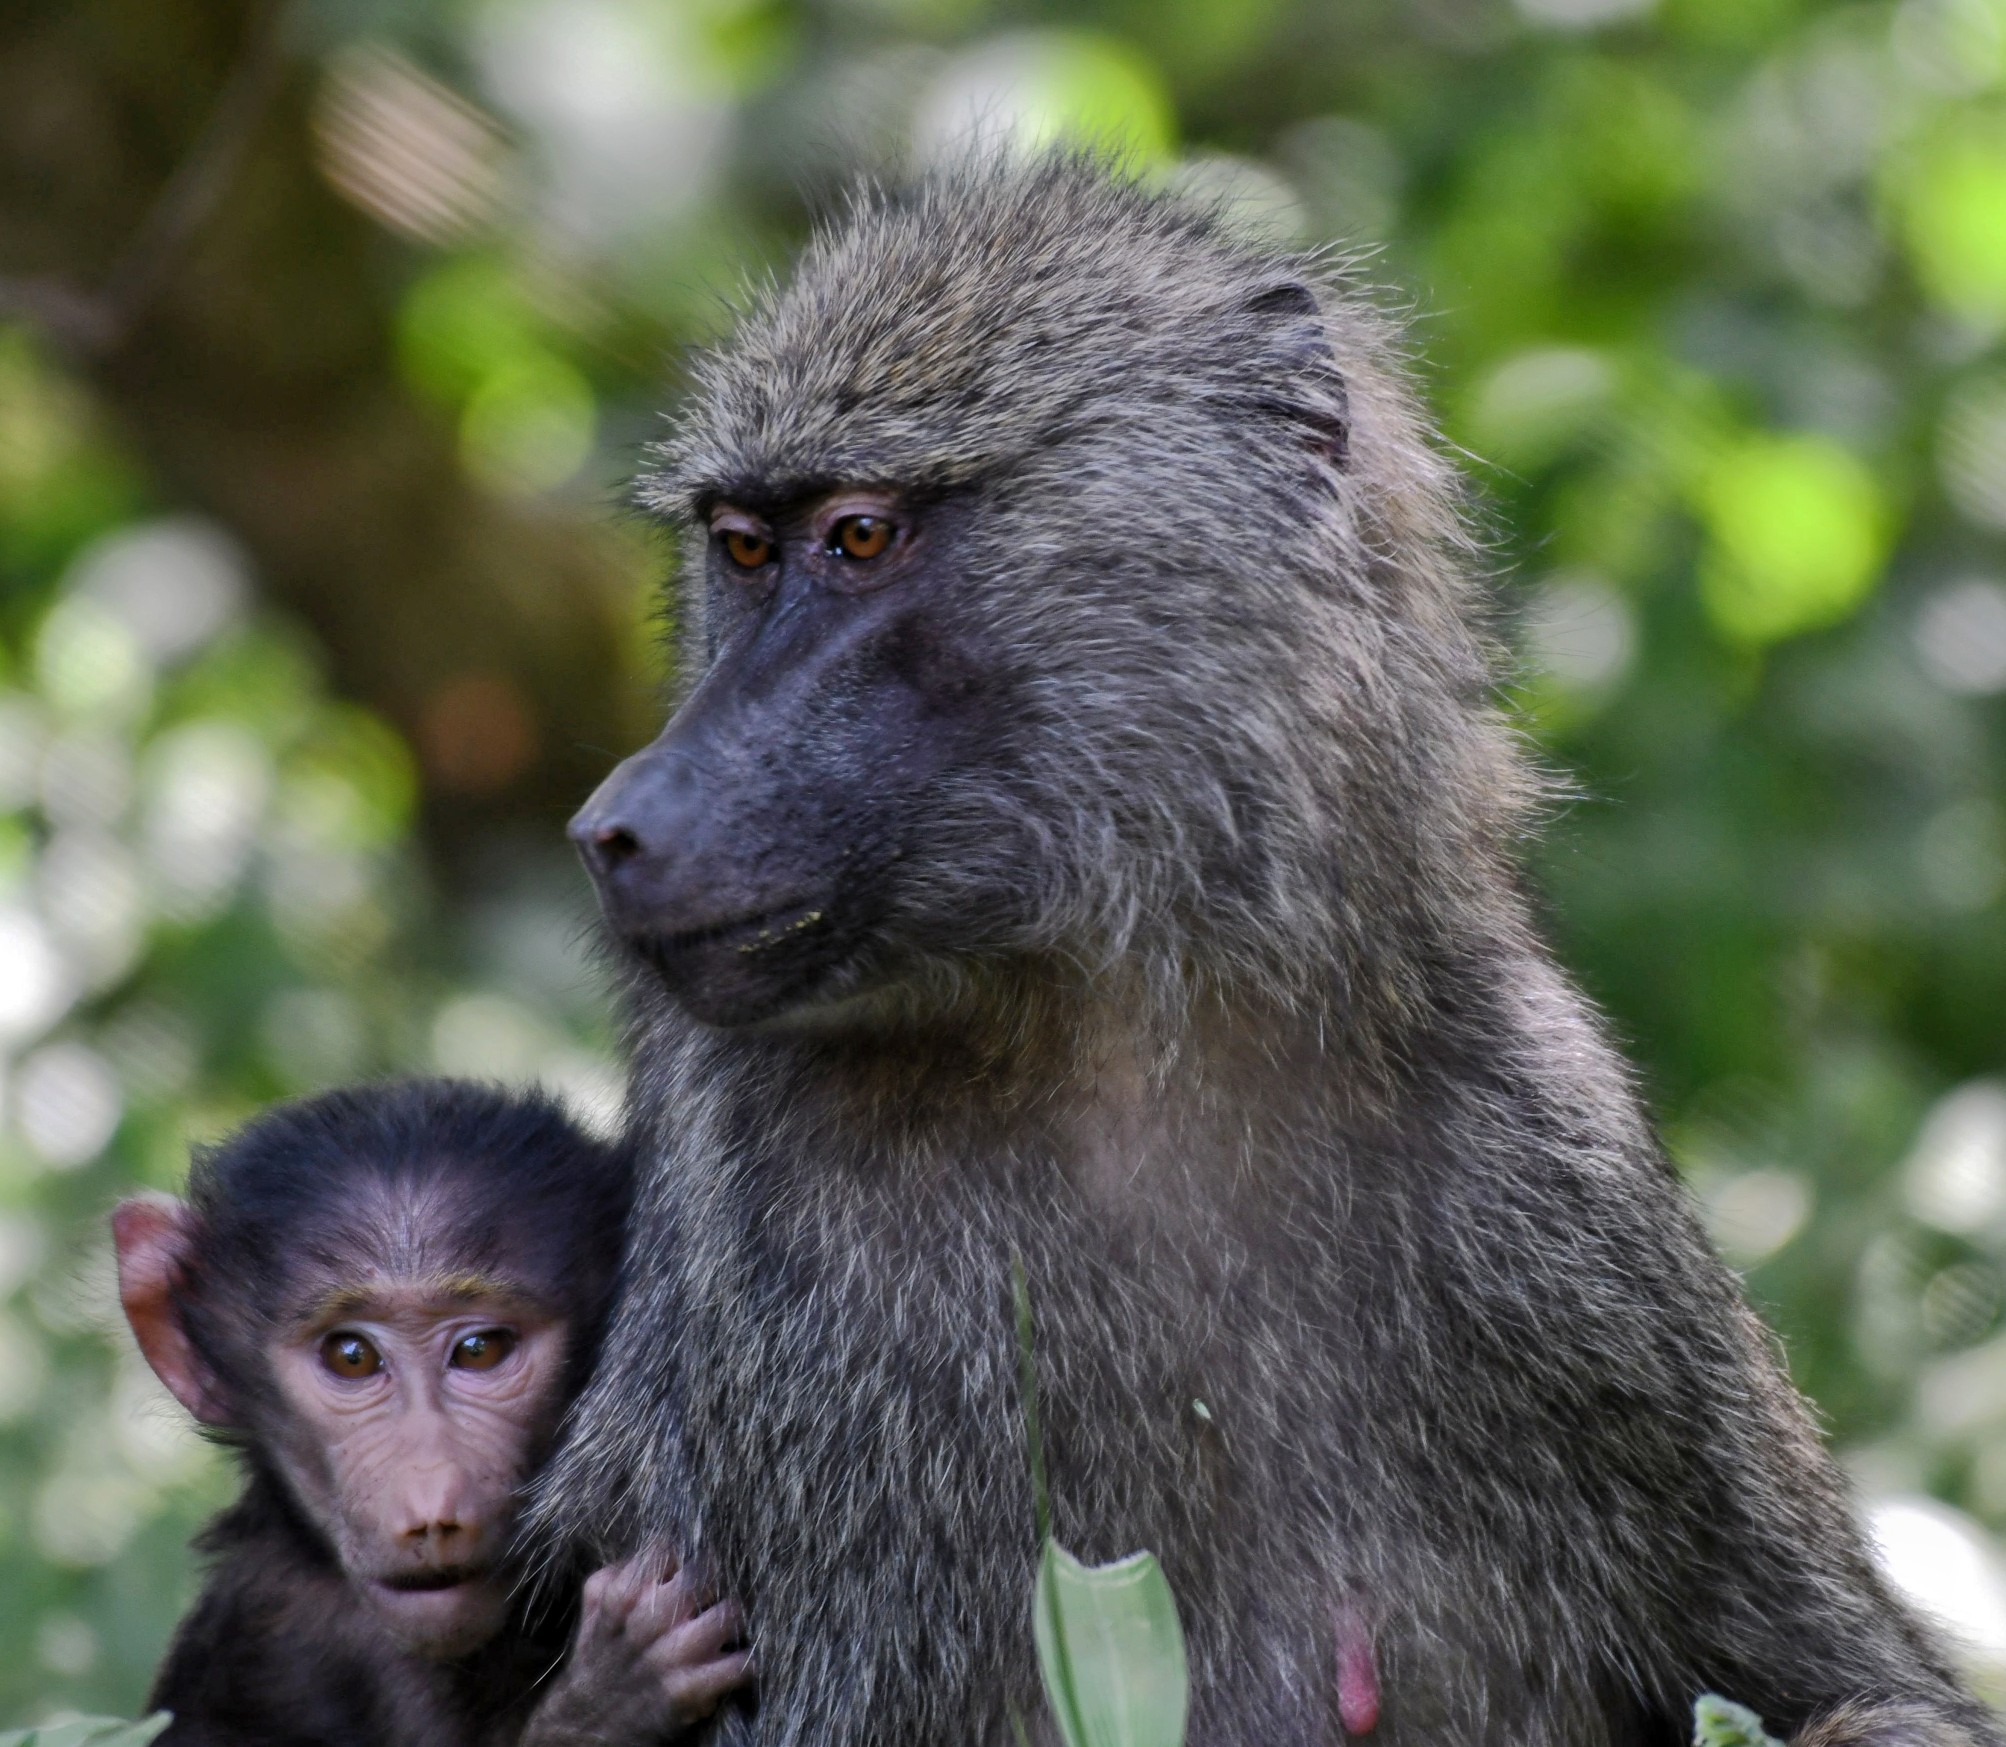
[861, 536]
[350, 1355]
[482, 1351]
[748, 551]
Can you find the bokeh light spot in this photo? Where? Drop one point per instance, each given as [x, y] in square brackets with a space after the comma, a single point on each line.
[1042, 88]
[65, 1644]
[36, 983]
[1953, 46]
[67, 1104]
[1797, 532]
[1971, 450]
[460, 323]
[1939, 1558]
[1530, 407]
[405, 149]
[488, 1036]
[1951, 201]
[1349, 175]
[476, 733]
[1754, 1214]
[24, 1368]
[1585, 14]
[82, 1519]
[89, 662]
[1250, 196]
[173, 583]
[208, 784]
[626, 105]
[1961, 854]
[22, 732]
[92, 893]
[529, 426]
[352, 786]
[1961, 636]
[1955, 1175]
[1580, 631]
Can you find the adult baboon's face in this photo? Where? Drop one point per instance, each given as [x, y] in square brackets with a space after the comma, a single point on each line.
[748, 855]
[1082, 691]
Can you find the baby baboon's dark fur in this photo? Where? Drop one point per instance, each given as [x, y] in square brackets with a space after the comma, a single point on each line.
[1204, 985]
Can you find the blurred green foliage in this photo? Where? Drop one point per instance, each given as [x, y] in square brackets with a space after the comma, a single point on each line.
[1710, 291]
[209, 897]
[88, 1732]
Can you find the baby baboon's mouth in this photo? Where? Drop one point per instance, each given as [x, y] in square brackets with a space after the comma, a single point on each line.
[425, 1582]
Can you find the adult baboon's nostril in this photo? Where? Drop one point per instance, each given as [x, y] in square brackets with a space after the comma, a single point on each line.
[606, 844]
[615, 844]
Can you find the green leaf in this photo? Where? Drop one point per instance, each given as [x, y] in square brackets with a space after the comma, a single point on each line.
[89, 1732]
[1720, 1722]
[1111, 1650]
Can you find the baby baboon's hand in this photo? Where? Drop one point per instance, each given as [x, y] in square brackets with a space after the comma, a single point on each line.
[652, 1657]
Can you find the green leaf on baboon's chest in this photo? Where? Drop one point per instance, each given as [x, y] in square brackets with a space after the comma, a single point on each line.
[1720, 1722]
[89, 1732]
[1111, 1650]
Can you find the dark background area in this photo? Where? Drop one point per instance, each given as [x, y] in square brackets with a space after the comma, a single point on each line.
[329, 332]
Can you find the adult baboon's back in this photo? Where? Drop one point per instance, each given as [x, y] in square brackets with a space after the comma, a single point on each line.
[1088, 840]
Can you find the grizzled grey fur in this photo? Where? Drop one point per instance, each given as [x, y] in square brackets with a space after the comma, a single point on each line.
[1208, 989]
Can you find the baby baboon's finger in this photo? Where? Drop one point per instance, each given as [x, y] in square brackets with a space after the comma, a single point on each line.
[695, 1691]
[697, 1642]
[663, 1607]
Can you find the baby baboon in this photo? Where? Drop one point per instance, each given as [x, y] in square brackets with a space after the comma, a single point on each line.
[383, 1298]
[1089, 839]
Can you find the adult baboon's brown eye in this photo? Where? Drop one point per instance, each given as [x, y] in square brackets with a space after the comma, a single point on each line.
[861, 536]
[748, 551]
[482, 1351]
[350, 1355]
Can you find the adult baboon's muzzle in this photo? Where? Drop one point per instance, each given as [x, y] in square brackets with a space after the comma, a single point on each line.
[718, 850]
[733, 933]
[669, 846]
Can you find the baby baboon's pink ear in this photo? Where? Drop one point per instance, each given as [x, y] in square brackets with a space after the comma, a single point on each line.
[155, 1239]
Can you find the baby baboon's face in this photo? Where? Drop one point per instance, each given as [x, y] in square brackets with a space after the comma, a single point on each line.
[753, 854]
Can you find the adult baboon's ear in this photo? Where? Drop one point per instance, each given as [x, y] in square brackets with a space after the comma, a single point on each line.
[1315, 395]
[1286, 297]
[155, 1239]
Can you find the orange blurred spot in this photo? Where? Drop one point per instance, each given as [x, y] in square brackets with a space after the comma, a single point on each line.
[477, 734]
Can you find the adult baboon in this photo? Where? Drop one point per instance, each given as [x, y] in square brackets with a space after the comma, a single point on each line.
[1089, 839]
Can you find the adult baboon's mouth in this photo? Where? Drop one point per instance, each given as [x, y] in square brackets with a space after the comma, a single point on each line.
[751, 934]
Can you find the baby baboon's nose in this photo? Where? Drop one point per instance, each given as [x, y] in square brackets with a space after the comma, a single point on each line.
[440, 1534]
[438, 1517]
